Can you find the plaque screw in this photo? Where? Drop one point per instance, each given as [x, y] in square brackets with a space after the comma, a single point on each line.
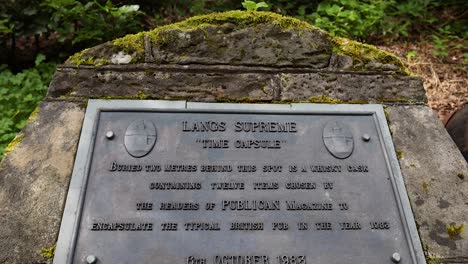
[91, 259]
[110, 135]
[366, 137]
[396, 258]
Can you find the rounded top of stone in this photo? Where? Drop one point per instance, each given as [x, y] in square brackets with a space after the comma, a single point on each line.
[241, 38]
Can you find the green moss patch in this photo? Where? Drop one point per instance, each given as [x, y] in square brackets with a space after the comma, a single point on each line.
[34, 115]
[14, 143]
[399, 154]
[324, 99]
[454, 231]
[80, 58]
[48, 252]
[364, 53]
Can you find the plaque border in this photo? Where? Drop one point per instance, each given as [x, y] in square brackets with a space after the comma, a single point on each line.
[76, 192]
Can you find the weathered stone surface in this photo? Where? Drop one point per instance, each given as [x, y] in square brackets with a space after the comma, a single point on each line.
[350, 87]
[242, 38]
[145, 82]
[263, 45]
[432, 167]
[218, 83]
[34, 180]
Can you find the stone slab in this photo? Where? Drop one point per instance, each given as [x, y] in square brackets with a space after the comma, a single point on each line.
[34, 181]
[226, 44]
[379, 189]
[349, 87]
[233, 83]
[436, 178]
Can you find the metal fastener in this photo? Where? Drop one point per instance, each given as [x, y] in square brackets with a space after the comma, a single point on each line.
[396, 258]
[110, 135]
[91, 259]
[366, 137]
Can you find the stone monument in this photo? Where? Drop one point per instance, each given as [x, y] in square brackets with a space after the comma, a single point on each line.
[242, 59]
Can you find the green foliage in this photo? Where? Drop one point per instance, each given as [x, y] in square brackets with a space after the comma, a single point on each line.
[19, 95]
[368, 20]
[411, 54]
[440, 47]
[23, 17]
[349, 18]
[92, 22]
[252, 6]
[423, 17]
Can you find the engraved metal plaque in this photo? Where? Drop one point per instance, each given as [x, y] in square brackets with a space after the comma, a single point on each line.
[191, 183]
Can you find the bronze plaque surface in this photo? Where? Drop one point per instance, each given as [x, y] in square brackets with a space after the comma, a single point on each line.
[187, 186]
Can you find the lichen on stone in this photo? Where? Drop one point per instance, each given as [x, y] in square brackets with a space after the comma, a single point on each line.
[396, 100]
[14, 143]
[142, 96]
[33, 116]
[454, 231]
[387, 116]
[246, 100]
[433, 260]
[399, 154]
[48, 252]
[461, 176]
[425, 186]
[324, 99]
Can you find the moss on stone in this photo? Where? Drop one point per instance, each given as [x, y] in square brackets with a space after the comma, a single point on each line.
[14, 143]
[134, 44]
[79, 58]
[396, 100]
[425, 186]
[454, 231]
[84, 104]
[363, 53]
[101, 62]
[34, 115]
[461, 176]
[433, 260]
[387, 116]
[139, 96]
[324, 99]
[241, 19]
[142, 96]
[246, 100]
[399, 154]
[357, 102]
[48, 252]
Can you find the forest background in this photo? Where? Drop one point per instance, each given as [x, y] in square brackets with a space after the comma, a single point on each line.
[430, 36]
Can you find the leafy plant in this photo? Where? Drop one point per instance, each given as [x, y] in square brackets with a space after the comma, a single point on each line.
[411, 54]
[440, 47]
[19, 95]
[349, 18]
[92, 23]
[252, 6]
